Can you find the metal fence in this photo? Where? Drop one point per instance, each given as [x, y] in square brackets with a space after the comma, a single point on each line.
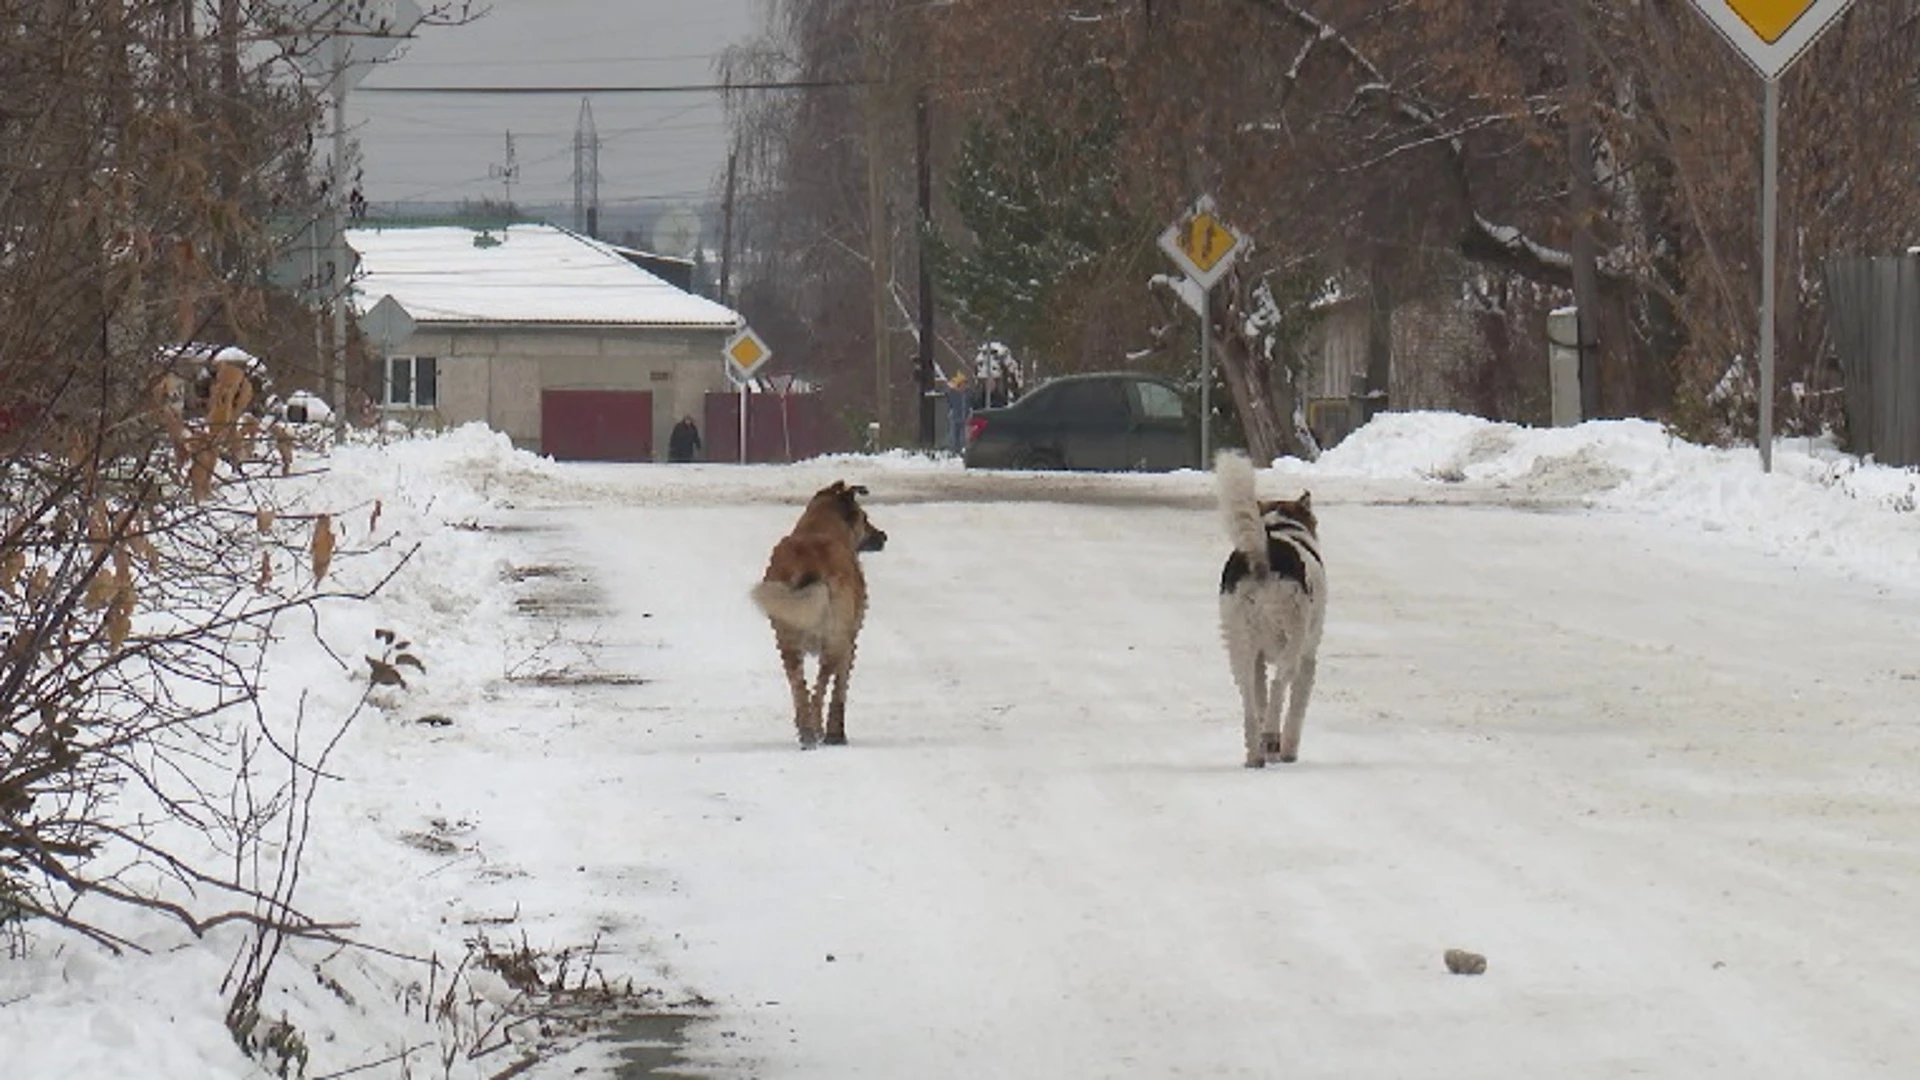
[1873, 311]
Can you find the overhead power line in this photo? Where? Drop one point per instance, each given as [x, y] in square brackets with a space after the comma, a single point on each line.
[663, 88]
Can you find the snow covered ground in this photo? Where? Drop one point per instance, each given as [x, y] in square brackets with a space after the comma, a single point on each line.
[1628, 717]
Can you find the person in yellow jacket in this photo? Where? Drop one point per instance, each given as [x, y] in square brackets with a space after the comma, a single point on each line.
[957, 410]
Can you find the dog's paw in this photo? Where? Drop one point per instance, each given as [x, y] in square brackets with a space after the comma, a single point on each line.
[1271, 744]
[1287, 758]
[1256, 761]
[835, 738]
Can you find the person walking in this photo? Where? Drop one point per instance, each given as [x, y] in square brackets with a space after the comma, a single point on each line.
[957, 410]
[684, 443]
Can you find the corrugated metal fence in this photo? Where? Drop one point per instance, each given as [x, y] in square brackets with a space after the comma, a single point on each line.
[1873, 310]
[780, 427]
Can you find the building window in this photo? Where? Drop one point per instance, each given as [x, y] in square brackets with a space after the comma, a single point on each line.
[413, 382]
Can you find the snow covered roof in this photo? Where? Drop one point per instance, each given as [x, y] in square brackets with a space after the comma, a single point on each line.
[632, 253]
[538, 274]
[209, 353]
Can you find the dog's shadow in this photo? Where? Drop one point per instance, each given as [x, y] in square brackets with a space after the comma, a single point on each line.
[791, 746]
[1228, 765]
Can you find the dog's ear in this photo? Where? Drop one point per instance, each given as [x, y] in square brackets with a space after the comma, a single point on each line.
[1306, 501]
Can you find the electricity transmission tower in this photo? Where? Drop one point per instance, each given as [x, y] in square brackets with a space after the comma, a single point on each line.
[507, 173]
[586, 173]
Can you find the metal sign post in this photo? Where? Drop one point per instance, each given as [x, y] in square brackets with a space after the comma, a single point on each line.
[740, 391]
[1769, 203]
[1771, 34]
[1206, 390]
[745, 354]
[783, 385]
[1203, 247]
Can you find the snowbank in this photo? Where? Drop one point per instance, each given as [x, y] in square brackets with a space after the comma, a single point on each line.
[1818, 504]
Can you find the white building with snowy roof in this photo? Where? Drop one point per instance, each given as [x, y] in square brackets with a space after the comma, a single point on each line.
[554, 338]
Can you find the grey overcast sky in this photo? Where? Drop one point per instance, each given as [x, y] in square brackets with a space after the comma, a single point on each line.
[656, 150]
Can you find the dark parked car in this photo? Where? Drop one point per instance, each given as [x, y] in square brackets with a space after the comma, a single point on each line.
[1111, 421]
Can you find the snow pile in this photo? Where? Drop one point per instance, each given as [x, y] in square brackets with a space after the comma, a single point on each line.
[458, 472]
[890, 459]
[1818, 504]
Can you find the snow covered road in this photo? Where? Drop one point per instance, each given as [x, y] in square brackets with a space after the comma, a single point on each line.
[1669, 790]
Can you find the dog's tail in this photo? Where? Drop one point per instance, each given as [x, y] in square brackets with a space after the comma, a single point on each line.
[801, 605]
[1240, 507]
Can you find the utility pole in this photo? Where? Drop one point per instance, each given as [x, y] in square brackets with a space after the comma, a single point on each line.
[344, 47]
[336, 201]
[1584, 249]
[231, 179]
[726, 228]
[878, 246]
[923, 144]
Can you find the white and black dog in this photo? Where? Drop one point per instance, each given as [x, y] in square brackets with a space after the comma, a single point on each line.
[1273, 607]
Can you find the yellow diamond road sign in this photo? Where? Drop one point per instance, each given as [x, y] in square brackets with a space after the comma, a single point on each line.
[1205, 241]
[1771, 34]
[1201, 244]
[745, 353]
[1769, 18]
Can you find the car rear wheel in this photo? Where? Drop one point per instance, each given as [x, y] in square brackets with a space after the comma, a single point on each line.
[1041, 459]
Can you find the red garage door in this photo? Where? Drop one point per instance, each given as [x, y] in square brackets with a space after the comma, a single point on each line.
[596, 425]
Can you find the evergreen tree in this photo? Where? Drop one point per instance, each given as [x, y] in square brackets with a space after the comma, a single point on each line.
[1040, 197]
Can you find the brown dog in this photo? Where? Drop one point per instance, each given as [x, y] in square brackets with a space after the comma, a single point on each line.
[815, 595]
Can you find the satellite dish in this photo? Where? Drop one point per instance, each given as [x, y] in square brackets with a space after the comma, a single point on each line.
[676, 232]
